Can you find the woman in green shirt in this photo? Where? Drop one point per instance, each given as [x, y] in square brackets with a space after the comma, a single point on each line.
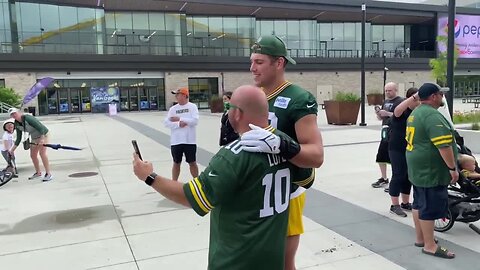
[39, 135]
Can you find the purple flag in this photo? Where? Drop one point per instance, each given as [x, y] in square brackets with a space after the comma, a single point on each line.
[36, 88]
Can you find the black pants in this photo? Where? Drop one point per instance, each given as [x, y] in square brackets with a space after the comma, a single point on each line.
[399, 182]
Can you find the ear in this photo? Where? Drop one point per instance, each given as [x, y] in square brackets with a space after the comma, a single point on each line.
[281, 62]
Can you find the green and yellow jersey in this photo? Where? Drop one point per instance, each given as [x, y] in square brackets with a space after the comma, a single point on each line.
[428, 130]
[287, 104]
[247, 195]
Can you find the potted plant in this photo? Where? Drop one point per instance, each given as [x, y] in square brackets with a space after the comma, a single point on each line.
[216, 104]
[343, 109]
[375, 98]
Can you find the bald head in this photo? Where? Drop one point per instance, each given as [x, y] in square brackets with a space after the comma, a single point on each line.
[391, 90]
[253, 106]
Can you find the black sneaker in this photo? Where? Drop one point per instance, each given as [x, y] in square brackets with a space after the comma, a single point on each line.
[397, 210]
[406, 206]
[387, 190]
[380, 183]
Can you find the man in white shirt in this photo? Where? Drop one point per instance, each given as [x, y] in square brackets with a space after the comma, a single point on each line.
[182, 120]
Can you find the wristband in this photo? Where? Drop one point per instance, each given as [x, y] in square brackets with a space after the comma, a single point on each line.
[452, 169]
[288, 147]
[150, 179]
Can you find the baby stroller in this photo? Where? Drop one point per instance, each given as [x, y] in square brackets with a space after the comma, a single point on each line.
[463, 199]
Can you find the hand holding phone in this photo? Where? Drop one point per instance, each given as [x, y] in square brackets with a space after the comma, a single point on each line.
[377, 108]
[137, 150]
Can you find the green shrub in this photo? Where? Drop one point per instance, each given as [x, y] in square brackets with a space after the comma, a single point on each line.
[466, 117]
[9, 96]
[349, 97]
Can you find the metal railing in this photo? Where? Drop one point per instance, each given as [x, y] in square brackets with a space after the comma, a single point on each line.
[151, 49]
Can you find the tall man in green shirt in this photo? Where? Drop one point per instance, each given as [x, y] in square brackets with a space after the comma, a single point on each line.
[247, 194]
[431, 158]
[292, 110]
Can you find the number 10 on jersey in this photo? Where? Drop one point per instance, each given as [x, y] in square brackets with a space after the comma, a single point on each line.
[278, 184]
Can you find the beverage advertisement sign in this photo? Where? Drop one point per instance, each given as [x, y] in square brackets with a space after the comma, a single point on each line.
[467, 34]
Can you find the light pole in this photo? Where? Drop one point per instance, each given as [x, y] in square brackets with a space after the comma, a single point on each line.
[362, 67]
[385, 69]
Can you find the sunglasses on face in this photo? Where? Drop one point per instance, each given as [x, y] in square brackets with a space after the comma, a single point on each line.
[229, 106]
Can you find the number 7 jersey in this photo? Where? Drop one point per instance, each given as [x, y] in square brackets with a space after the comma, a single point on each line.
[248, 195]
[287, 104]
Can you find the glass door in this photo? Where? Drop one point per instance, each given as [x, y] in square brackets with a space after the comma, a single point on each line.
[64, 106]
[75, 100]
[85, 96]
[124, 104]
[153, 98]
[133, 99]
[144, 104]
[52, 96]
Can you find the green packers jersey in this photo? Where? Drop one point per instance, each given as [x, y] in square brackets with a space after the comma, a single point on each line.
[248, 195]
[428, 130]
[287, 104]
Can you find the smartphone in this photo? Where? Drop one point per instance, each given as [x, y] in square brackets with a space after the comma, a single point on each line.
[137, 150]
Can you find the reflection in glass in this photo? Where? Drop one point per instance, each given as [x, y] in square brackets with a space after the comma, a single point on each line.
[75, 100]
[52, 96]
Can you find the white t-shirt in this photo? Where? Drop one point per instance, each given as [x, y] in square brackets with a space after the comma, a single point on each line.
[187, 113]
[9, 138]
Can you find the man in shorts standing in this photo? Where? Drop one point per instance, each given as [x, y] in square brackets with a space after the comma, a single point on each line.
[385, 114]
[431, 159]
[292, 110]
[182, 119]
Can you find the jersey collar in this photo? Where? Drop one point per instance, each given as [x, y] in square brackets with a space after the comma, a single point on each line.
[279, 89]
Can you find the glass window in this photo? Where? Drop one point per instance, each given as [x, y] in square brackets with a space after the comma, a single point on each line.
[293, 35]
[377, 33]
[266, 28]
[110, 23]
[68, 16]
[4, 16]
[172, 23]
[49, 17]
[157, 23]
[200, 26]
[280, 28]
[123, 22]
[399, 33]
[215, 28]
[325, 31]
[140, 23]
[2, 82]
[246, 27]
[29, 17]
[87, 17]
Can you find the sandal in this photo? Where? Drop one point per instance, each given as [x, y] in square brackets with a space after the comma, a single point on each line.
[423, 244]
[441, 252]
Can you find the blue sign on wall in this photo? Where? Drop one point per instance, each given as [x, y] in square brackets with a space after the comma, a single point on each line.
[103, 96]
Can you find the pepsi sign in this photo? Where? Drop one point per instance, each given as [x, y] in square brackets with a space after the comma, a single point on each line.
[467, 34]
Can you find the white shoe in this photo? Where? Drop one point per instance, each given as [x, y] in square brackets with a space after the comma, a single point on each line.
[47, 177]
[34, 176]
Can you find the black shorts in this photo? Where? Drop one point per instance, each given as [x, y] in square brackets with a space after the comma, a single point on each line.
[190, 151]
[382, 153]
[431, 203]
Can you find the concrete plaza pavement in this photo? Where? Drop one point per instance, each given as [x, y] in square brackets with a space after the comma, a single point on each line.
[111, 220]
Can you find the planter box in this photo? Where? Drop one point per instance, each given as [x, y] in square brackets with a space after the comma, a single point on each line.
[375, 99]
[342, 112]
[471, 139]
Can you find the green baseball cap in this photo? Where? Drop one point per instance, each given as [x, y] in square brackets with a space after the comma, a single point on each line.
[272, 45]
